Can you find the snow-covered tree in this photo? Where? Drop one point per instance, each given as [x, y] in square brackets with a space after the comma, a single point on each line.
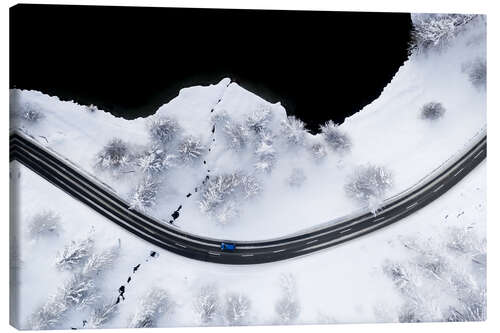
[98, 262]
[476, 71]
[155, 160]
[49, 315]
[435, 31]
[368, 184]
[115, 155]
[75, 254]
[190, 150]
[163, 129]
[44, 224]
[432, 111]
[27, 111]
[288, 307]
[318, 151]
[293, 130]
[258, 120]
[206, 304]
[222, 193]
[296, 178]
[236, 135]
[151, 307]
[80, 291]
[442, 280]
[101, 314]
[144, 196]
[335, 138]
[266, 156]
[237, 307]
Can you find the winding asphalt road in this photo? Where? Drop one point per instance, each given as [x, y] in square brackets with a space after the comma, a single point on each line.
[99, 198]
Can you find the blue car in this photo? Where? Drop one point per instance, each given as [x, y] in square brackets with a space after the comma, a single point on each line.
[227, 246]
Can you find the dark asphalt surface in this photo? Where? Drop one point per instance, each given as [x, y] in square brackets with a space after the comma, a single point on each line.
[96, 196]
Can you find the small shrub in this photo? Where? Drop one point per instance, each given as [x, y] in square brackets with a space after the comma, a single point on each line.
[190, 150]
[163, 130]
[45, 224]
[151, 307]
[288, 307]
[114, 155]
[293, 130]
[335, 138]
[297, 178]
[432, 111]
[318, 151]
[266, 156]
[368, 184]
[476, 71]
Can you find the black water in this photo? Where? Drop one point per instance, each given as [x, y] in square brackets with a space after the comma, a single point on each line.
[129, 60]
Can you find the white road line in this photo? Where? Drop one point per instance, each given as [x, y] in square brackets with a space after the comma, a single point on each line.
[437, 189]
[313, 241]
[279, 251]
[413, 204]
[478, 154]
[180, 245]
[380, 218]
[458, 172]
[346, 230]
[214, 254]
[247, 255]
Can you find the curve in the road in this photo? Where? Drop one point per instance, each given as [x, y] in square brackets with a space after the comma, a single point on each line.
[96, 196]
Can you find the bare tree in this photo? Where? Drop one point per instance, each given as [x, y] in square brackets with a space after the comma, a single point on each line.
[258, 120]
[155, 160]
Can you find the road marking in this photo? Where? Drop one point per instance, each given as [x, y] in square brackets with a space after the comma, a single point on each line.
[459, 171]
[214, 254]
[180, 245]
[313, 241]
[380, 218]
[413, 204]
[437, 189]
[346, 230]
[478, 154]
[247, 255]
[278, 251]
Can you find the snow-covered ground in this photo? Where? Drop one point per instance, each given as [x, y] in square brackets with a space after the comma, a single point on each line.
[345, 284]
[293, 187]
[267, 178]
